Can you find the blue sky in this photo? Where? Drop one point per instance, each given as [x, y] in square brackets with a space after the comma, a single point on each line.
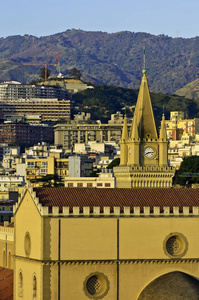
[41, 17]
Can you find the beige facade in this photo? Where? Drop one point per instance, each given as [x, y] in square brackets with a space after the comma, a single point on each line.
[104, 180]
[38, 167]
[70, 134]
[10, 183]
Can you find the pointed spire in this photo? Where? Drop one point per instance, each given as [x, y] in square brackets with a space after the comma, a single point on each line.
[144, 61]
[134, 129]
[163, 134]
[125, 129]
[144, 112]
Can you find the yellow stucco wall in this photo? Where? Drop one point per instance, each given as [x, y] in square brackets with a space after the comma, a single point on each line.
[29, 220]
[66, 250]
[6, 247]
[73, 280]
[134, 278]
[88, 238]
[28, 268]
[143, 238]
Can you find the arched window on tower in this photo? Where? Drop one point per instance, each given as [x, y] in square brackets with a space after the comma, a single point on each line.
[4, 258]
[34, 287]
[9, 259]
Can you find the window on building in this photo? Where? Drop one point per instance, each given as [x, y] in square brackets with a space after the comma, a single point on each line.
[89, 184]
[70, 184]
[30, 164]
[4, 258]
[9, 260]
[107, 184]
[20, 284]
[80, 184]
[43, 171]
[99, 184]
[34, 287]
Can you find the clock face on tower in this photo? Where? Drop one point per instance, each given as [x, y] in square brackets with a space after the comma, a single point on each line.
[149, 152]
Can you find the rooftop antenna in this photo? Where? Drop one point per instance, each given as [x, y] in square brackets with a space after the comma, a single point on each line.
[58, 65]
[59, 68]
[144, 61]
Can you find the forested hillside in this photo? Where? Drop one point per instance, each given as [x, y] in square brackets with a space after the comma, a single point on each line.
[102, 101]
[191, 90]
[102, 58]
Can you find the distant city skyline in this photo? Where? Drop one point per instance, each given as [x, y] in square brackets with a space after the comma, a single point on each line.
[41, 18]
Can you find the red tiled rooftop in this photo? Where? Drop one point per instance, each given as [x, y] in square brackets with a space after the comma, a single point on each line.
[9, 225]
[6, 284]
[117, 197]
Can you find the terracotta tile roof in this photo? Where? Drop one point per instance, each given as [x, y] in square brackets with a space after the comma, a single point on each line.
[117, 197]
[11, 224]
[6, 284]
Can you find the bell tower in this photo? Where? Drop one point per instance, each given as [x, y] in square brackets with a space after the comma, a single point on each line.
[144, 155]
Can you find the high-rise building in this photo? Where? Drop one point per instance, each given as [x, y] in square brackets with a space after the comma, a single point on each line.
[44, 109]
[14, 90]
[80, 131]
[35, 102]
[25, 134]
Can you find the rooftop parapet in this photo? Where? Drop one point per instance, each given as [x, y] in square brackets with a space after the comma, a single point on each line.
[119, 211]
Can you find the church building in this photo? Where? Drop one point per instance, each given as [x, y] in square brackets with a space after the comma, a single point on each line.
[111, 244]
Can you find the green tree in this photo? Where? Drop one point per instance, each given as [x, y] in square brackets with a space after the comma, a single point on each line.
[95, 173]
[188, 170]
[42, 73]
[49, 180]
[114, 163]
[74, 73]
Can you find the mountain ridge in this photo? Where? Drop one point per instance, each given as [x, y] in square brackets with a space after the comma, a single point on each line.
[104, 58]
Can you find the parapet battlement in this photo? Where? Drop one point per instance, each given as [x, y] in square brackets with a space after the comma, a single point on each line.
[108, 211]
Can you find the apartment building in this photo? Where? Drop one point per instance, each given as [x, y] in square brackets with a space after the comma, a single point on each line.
[37, 167]
[11, 183]
[178, 126]
[23, 133]
[35, 103]
[104, 180]
[44, 150]
[14, 90]
[81, 132]
[80, 166]
[37, 110]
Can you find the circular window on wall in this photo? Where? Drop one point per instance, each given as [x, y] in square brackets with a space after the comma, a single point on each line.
[96, 286]
[27, 244]
[175, 245]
